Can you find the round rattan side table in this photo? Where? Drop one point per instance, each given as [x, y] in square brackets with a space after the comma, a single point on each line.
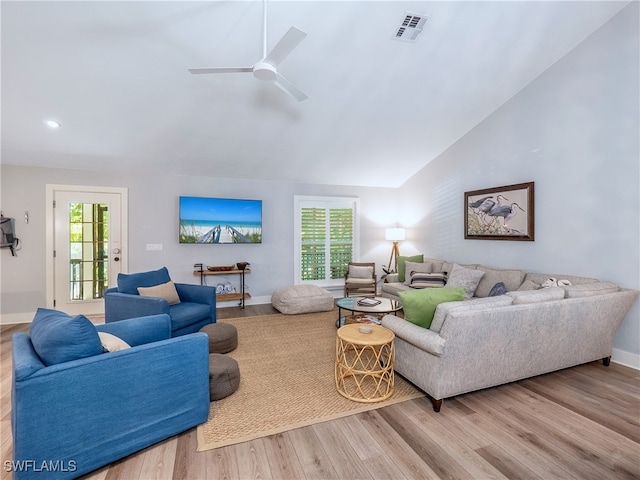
[364, 363]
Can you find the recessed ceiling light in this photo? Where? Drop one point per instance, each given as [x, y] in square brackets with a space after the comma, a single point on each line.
[52, 124]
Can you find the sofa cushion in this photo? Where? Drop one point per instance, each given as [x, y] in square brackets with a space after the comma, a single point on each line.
[466, 278]
[411, 268]
[111, 343]
[447, 267]
[474, 304]
[164, 290]
[428, 280]
[359, 281]
[535, 296]
[58, 337]
[590, 289]
[420, 305]
[402, 264]
[184, 314]
[512, 280]
[436, 265]
[129, 282]
[394, 288]
[529, 285]
[540, 278]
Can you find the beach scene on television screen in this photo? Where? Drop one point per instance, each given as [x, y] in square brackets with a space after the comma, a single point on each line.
[220, 220]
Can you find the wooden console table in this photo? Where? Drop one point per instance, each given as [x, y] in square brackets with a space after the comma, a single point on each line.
[227, 297]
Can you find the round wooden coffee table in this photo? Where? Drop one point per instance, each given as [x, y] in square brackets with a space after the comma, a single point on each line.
[364, 363]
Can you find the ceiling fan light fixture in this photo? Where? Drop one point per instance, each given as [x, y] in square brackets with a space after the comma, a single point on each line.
[264, 71]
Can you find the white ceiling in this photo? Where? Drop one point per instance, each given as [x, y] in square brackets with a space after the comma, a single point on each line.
[114, 74]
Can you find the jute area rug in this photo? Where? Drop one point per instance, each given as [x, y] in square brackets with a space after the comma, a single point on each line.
[286, 380]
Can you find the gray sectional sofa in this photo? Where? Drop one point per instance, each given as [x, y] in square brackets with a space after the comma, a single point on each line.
[491, 340]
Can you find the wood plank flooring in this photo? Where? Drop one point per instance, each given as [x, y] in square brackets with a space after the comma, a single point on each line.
[579, 423]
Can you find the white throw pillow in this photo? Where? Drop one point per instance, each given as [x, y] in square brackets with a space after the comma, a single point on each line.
[111, 343]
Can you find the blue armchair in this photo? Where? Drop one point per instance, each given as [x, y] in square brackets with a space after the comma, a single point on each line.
[194, 307]
[74, 410]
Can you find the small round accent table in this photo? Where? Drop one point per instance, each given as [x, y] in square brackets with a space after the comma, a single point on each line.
[364, 363]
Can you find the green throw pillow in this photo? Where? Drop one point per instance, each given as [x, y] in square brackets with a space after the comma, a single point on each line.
[420, 305]
[402, 267]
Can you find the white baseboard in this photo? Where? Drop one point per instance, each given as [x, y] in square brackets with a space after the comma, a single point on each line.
[627, 359]
[247, 301]
[13, 318]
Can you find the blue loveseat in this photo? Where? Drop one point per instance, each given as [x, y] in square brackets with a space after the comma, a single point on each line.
[75, 409]
[193, 308]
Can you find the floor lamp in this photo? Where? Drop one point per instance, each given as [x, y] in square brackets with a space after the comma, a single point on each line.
[394, 235]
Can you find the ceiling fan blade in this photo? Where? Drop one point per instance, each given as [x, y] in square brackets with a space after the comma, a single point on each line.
[198, 71]
[288, 87]
[284, 47]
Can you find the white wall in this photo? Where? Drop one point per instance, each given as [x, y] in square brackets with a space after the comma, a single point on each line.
[574, 132]
[153, 218]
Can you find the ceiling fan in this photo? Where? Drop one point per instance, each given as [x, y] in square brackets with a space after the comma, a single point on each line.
[267, 68]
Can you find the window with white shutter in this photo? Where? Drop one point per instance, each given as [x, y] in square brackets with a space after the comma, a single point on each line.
[326, 238]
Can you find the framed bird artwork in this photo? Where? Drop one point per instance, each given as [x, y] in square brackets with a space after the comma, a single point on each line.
[500, 213]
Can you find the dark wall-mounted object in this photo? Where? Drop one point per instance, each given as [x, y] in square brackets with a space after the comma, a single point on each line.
[8, 237]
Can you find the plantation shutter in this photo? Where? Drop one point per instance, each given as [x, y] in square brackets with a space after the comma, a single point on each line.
[327, 238]
[341, 240]
[313, 254]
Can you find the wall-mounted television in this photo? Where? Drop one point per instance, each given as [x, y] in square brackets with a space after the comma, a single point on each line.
[220, 220]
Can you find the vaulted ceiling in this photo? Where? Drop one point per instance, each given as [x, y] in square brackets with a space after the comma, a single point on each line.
[114, 75]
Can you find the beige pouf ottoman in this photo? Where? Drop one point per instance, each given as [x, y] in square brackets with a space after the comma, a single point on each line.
[302, 299]
[224, 376]
[223, 337]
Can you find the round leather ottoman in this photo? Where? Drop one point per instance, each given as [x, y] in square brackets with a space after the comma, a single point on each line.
[224, 376]
[223, 337]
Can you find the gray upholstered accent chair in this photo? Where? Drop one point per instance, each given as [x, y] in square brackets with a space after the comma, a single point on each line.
[360, 279]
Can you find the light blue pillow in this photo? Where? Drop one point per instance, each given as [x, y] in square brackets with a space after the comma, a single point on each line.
[58, 337]
[420, 305]
[129, 282]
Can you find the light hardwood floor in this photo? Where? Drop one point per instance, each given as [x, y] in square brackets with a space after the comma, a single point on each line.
[579, 423]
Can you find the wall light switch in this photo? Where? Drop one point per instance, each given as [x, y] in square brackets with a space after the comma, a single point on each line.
[154, 246]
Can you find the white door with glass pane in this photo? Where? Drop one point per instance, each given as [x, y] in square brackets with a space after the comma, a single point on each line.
[88, 251]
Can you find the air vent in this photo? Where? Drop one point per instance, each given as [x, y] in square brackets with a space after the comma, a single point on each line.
[411, 27]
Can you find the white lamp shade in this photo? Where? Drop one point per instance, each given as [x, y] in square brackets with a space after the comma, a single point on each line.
[394, 234]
